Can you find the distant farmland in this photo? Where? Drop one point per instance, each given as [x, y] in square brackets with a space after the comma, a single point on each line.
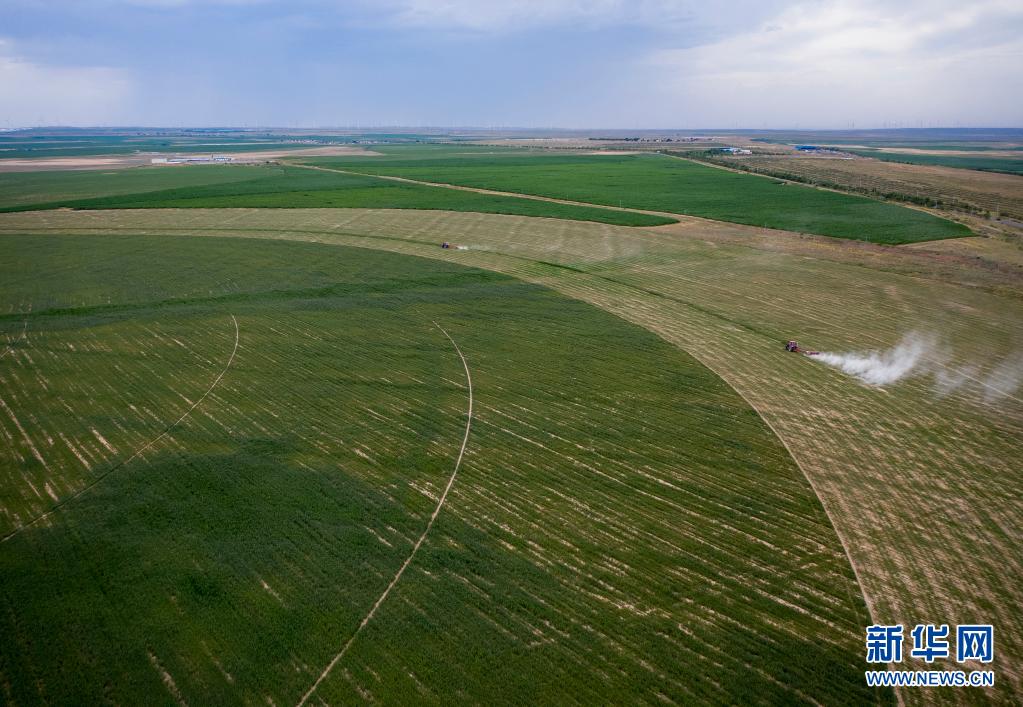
[645, 182]
[27, 189]
[666, 184]
[239, 186]
[1009, 165]
[940, 186]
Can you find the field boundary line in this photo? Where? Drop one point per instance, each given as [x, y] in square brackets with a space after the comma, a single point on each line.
[518, 195]
[415, 548]
[676, 217]
[868, 603]
[872, 614]
[120, 465]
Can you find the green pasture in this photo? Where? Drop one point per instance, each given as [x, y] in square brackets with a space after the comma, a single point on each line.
[235, 186]
[662, 183]
[624, 528]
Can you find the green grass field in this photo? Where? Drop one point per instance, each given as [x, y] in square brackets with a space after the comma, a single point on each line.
[648, 182]
[660, 183]
[26, 189]
[210, 186]
[936, 450]
[624, 526]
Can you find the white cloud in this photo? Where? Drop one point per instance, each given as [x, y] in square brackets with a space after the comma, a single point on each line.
[511, 15]
[483, 15]
[865, 62]
[183, 3]
[39, 94]
[666, 63]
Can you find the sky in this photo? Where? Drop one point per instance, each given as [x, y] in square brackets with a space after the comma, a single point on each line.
[654, 64]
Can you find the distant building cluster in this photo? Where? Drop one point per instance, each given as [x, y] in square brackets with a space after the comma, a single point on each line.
[648, 139]
[823, 150]
[191, 160]
[737, 150]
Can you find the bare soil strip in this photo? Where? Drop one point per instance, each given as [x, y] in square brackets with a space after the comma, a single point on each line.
[138, 452]
[38, 164]
[415, 548]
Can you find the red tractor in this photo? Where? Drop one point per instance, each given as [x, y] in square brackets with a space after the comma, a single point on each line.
[794, 348]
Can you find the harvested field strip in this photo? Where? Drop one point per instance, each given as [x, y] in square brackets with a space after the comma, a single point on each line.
[881, 460]
[987, 163]
[619, 511]
[945, 187]
[415, 548]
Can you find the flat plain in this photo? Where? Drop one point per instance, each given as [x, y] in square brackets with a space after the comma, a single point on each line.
[227, 427]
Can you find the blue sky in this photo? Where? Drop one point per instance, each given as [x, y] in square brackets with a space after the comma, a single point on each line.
[526, 63]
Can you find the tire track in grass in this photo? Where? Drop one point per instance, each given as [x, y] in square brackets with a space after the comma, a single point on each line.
[10, 346]
[138, 452]
[867, 601]
[415, 548]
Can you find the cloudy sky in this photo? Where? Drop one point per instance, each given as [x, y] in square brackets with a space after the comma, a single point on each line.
[525, 63]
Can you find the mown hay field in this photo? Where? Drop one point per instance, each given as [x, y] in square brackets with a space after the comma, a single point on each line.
[664, 184]
[976, 191]
[218, 451]
[920, 478]
[980, 162]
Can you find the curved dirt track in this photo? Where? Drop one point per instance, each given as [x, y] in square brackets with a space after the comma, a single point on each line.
[10, 346]
[138, 452]
[415, 548]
